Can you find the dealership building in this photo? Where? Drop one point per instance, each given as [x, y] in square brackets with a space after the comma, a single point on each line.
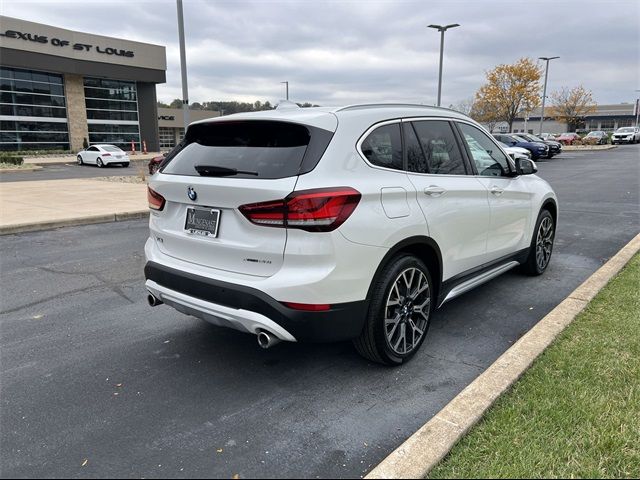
[60, 87]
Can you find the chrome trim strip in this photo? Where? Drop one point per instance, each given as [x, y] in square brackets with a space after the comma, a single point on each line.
[478, 280]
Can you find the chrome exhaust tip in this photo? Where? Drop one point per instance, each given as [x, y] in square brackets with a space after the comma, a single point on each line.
[153, 301]
[267, 340]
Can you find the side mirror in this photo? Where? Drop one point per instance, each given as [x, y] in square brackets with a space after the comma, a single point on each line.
[524, 166]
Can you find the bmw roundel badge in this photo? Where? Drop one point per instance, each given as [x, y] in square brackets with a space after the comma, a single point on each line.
[192, 194]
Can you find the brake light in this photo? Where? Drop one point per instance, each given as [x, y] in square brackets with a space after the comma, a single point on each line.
[156, 201]
[106, 154]
[319, 210]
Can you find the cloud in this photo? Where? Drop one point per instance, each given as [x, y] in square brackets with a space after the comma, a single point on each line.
[334, 52]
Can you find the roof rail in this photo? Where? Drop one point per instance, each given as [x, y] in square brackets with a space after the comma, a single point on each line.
[363, 106]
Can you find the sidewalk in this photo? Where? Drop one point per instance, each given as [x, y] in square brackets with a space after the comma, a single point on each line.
[71, 158]
[40, 205]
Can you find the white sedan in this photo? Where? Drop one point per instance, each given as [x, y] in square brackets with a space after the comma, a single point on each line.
[518, 151]
[102, 155]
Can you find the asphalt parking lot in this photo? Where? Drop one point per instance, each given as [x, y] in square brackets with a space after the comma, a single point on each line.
[94, 383]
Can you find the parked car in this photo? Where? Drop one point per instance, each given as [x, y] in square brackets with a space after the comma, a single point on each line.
[555, 148]
[547, 136]
[516, 152]
[568, 138]
[309, 224]
[537, 149]
[598, 137]
[626, 135]
[155, 162]
[103, 155]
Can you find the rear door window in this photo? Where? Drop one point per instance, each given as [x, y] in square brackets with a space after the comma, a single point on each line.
[442, 155]
[262, 149]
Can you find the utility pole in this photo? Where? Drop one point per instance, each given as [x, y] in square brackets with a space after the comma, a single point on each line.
[544, 93]
[442, 29]
[637, 109]
[287, 84]
[183, 68]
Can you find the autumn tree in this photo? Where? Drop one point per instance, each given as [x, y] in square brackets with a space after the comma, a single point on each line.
[486, 112]
[511, 89]
[571, 106]
[463, 106]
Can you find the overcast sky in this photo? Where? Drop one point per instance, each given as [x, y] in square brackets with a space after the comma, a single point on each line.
[340, 52]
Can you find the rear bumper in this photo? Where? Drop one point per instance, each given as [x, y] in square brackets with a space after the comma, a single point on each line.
[248, 309]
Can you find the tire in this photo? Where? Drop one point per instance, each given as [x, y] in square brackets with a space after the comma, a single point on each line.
[99, 163]
[543, 237]
[125, 165]
[79, 159]
[384, 341]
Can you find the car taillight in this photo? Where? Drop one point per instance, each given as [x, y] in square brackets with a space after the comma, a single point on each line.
[319, 210]
[156, 201]
[106, 154]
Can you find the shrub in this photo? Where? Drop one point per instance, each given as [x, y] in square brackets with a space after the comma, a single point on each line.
[10, 158]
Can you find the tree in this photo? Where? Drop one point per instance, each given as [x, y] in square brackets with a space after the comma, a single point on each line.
[162, 104]
[510, 89]
[571, 106]
[196, 106]
[463, 106]
[486, 112]
[177, 103]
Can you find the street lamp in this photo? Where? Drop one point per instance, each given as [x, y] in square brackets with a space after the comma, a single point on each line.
[637, 109]
[287, 83]
[544, 93]
[183, 67]
[442, 29]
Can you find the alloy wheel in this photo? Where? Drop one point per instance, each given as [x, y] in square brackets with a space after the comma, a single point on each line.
[544, 243]
[407, 311]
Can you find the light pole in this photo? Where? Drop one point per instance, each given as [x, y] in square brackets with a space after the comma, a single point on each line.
[637, 109]
[287, 83]
[442, 29]
[183, 68]
[544, 93]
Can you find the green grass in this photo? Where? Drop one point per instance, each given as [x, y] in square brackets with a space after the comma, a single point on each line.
[576, 412]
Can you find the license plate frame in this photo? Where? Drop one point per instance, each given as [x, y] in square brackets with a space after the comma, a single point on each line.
[207, 215]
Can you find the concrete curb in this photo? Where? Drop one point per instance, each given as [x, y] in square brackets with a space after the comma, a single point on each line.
[432, 442]
[19, 170]
[587, 148]
[88, 220]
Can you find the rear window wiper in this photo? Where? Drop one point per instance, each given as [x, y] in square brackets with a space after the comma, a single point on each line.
[215, 171]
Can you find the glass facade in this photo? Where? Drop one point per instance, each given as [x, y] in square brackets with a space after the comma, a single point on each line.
[112, 112]
[40, 97]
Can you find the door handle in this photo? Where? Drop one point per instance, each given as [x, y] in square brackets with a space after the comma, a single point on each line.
[434, 191]
[497, 191]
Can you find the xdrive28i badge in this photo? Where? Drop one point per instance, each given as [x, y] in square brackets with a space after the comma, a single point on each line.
[192, 194]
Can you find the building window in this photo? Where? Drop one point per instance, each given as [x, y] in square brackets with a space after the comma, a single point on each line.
[112, 112]
[167, 137]
[40, 97]
[626, 122]
[607, 124]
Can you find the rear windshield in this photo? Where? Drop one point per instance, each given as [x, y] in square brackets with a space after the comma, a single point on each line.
[263, 149]
[109, 148]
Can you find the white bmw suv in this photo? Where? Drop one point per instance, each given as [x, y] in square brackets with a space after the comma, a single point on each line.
[328, 224]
